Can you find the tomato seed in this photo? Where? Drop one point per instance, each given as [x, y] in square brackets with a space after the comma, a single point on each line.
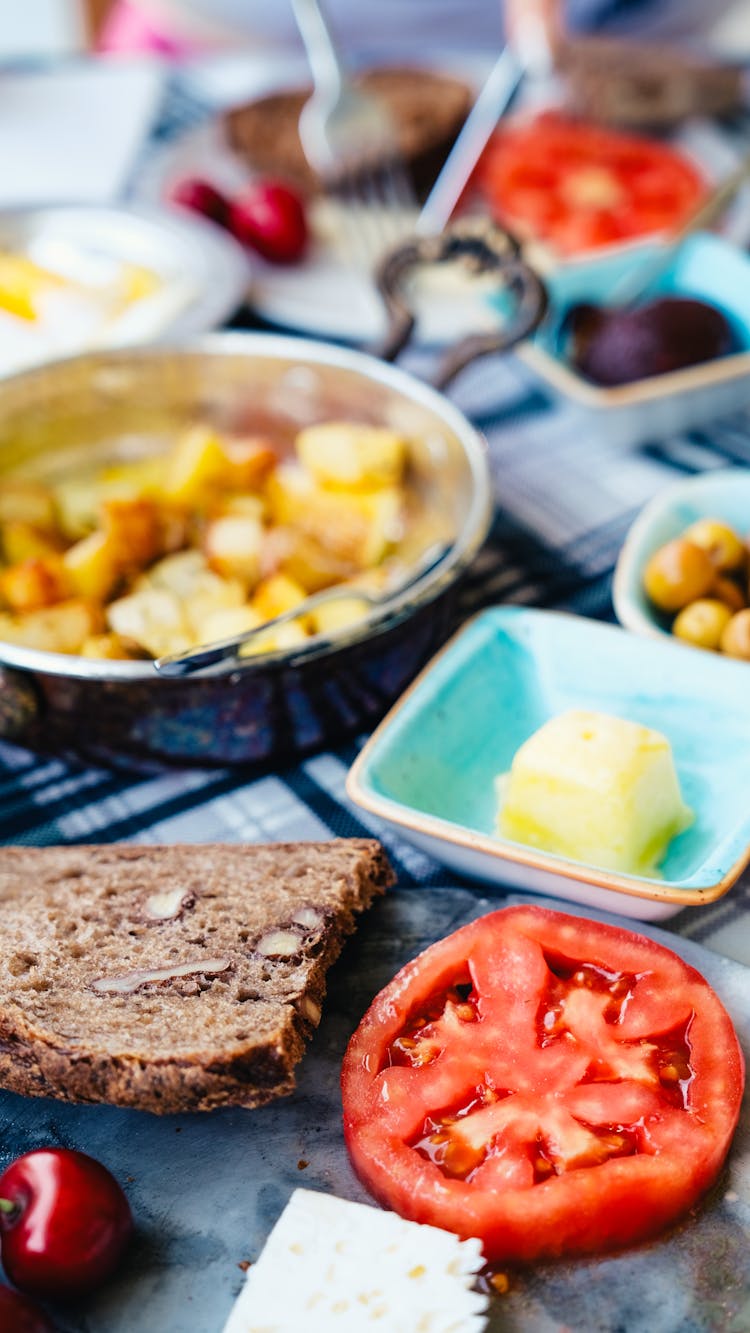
[500, 1282]
[543, 1166]
[614, 1141]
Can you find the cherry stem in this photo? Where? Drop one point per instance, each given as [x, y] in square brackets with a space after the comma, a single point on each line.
[7, 1206]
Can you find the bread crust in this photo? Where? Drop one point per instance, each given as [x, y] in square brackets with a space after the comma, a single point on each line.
[98, 1048]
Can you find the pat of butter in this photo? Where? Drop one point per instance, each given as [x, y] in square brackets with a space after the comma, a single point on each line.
[596, 789]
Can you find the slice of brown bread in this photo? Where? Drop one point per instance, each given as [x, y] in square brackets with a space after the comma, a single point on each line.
[173, 978]
[427, 108]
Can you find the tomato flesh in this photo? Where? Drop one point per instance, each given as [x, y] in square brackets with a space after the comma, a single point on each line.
[548, 1084]
[579, 186]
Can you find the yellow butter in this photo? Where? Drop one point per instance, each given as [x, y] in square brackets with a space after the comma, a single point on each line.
[596, 789]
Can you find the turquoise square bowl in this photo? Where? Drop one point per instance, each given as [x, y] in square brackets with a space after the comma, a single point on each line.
[705, 266]
[430, 766]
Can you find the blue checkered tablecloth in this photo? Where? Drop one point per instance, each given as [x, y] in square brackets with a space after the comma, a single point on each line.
[564, 501]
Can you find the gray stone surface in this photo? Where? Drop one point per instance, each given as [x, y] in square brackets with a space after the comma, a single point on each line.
[205, 1190]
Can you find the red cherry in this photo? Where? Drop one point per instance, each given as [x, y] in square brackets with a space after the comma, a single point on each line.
[201, 197]
[64, 1222]
[270, 218]
[19, 1315]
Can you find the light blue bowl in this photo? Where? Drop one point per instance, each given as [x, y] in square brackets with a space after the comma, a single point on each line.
[705, 266]
[724, 494]
[431, 764]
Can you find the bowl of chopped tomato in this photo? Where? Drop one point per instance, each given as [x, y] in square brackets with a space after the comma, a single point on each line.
[576, 187]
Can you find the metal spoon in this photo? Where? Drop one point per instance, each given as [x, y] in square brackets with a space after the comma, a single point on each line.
[198, 659]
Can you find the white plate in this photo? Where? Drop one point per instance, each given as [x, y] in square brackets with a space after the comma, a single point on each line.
[203, 274]
[328, 295]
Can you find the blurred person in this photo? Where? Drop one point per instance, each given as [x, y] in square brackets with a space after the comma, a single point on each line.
[408, 28]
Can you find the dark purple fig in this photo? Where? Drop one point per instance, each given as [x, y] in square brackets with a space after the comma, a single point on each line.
[614, 347]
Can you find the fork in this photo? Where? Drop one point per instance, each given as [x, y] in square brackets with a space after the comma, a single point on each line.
[350, 140]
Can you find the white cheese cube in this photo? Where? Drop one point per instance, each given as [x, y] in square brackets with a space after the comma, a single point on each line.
[329, 1264]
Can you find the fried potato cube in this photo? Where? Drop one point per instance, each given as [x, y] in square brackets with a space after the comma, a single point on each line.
[288, 491]
[93, 565]
[27, 501]
[292, 634]
[63, 628]
[192, 592]
[154, 618]
[176, 573]
[357, 527]
[246, 504]
[338, 614]
[383, 515]
[249, 460]
[35, 583]
[76, 501]
[306, 561]
[134, 478]
[132, 526]
[195, 465]
[229, 621]
[174, 527]
[203, 461]
[25, 541]
[233, 546]
[277, 594]
[111, 647]
[210, 593]
[352, 454]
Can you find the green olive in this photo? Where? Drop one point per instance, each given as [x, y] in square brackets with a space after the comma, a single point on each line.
[727, 590]
[735, 641]
[678, 573]
[725, 547]
[702, 623]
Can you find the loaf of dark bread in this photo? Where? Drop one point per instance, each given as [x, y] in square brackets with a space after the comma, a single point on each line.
[427, 110]
[173, 978]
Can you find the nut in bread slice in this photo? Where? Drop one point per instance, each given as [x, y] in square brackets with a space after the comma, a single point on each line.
[171, 978]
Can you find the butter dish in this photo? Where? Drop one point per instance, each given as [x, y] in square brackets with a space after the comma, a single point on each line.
[430, 766]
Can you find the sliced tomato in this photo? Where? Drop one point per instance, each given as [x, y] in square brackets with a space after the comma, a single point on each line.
[578, 186]
[548, 1084]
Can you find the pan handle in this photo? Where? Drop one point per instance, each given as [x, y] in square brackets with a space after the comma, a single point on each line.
[19, 703]
[481, 247]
